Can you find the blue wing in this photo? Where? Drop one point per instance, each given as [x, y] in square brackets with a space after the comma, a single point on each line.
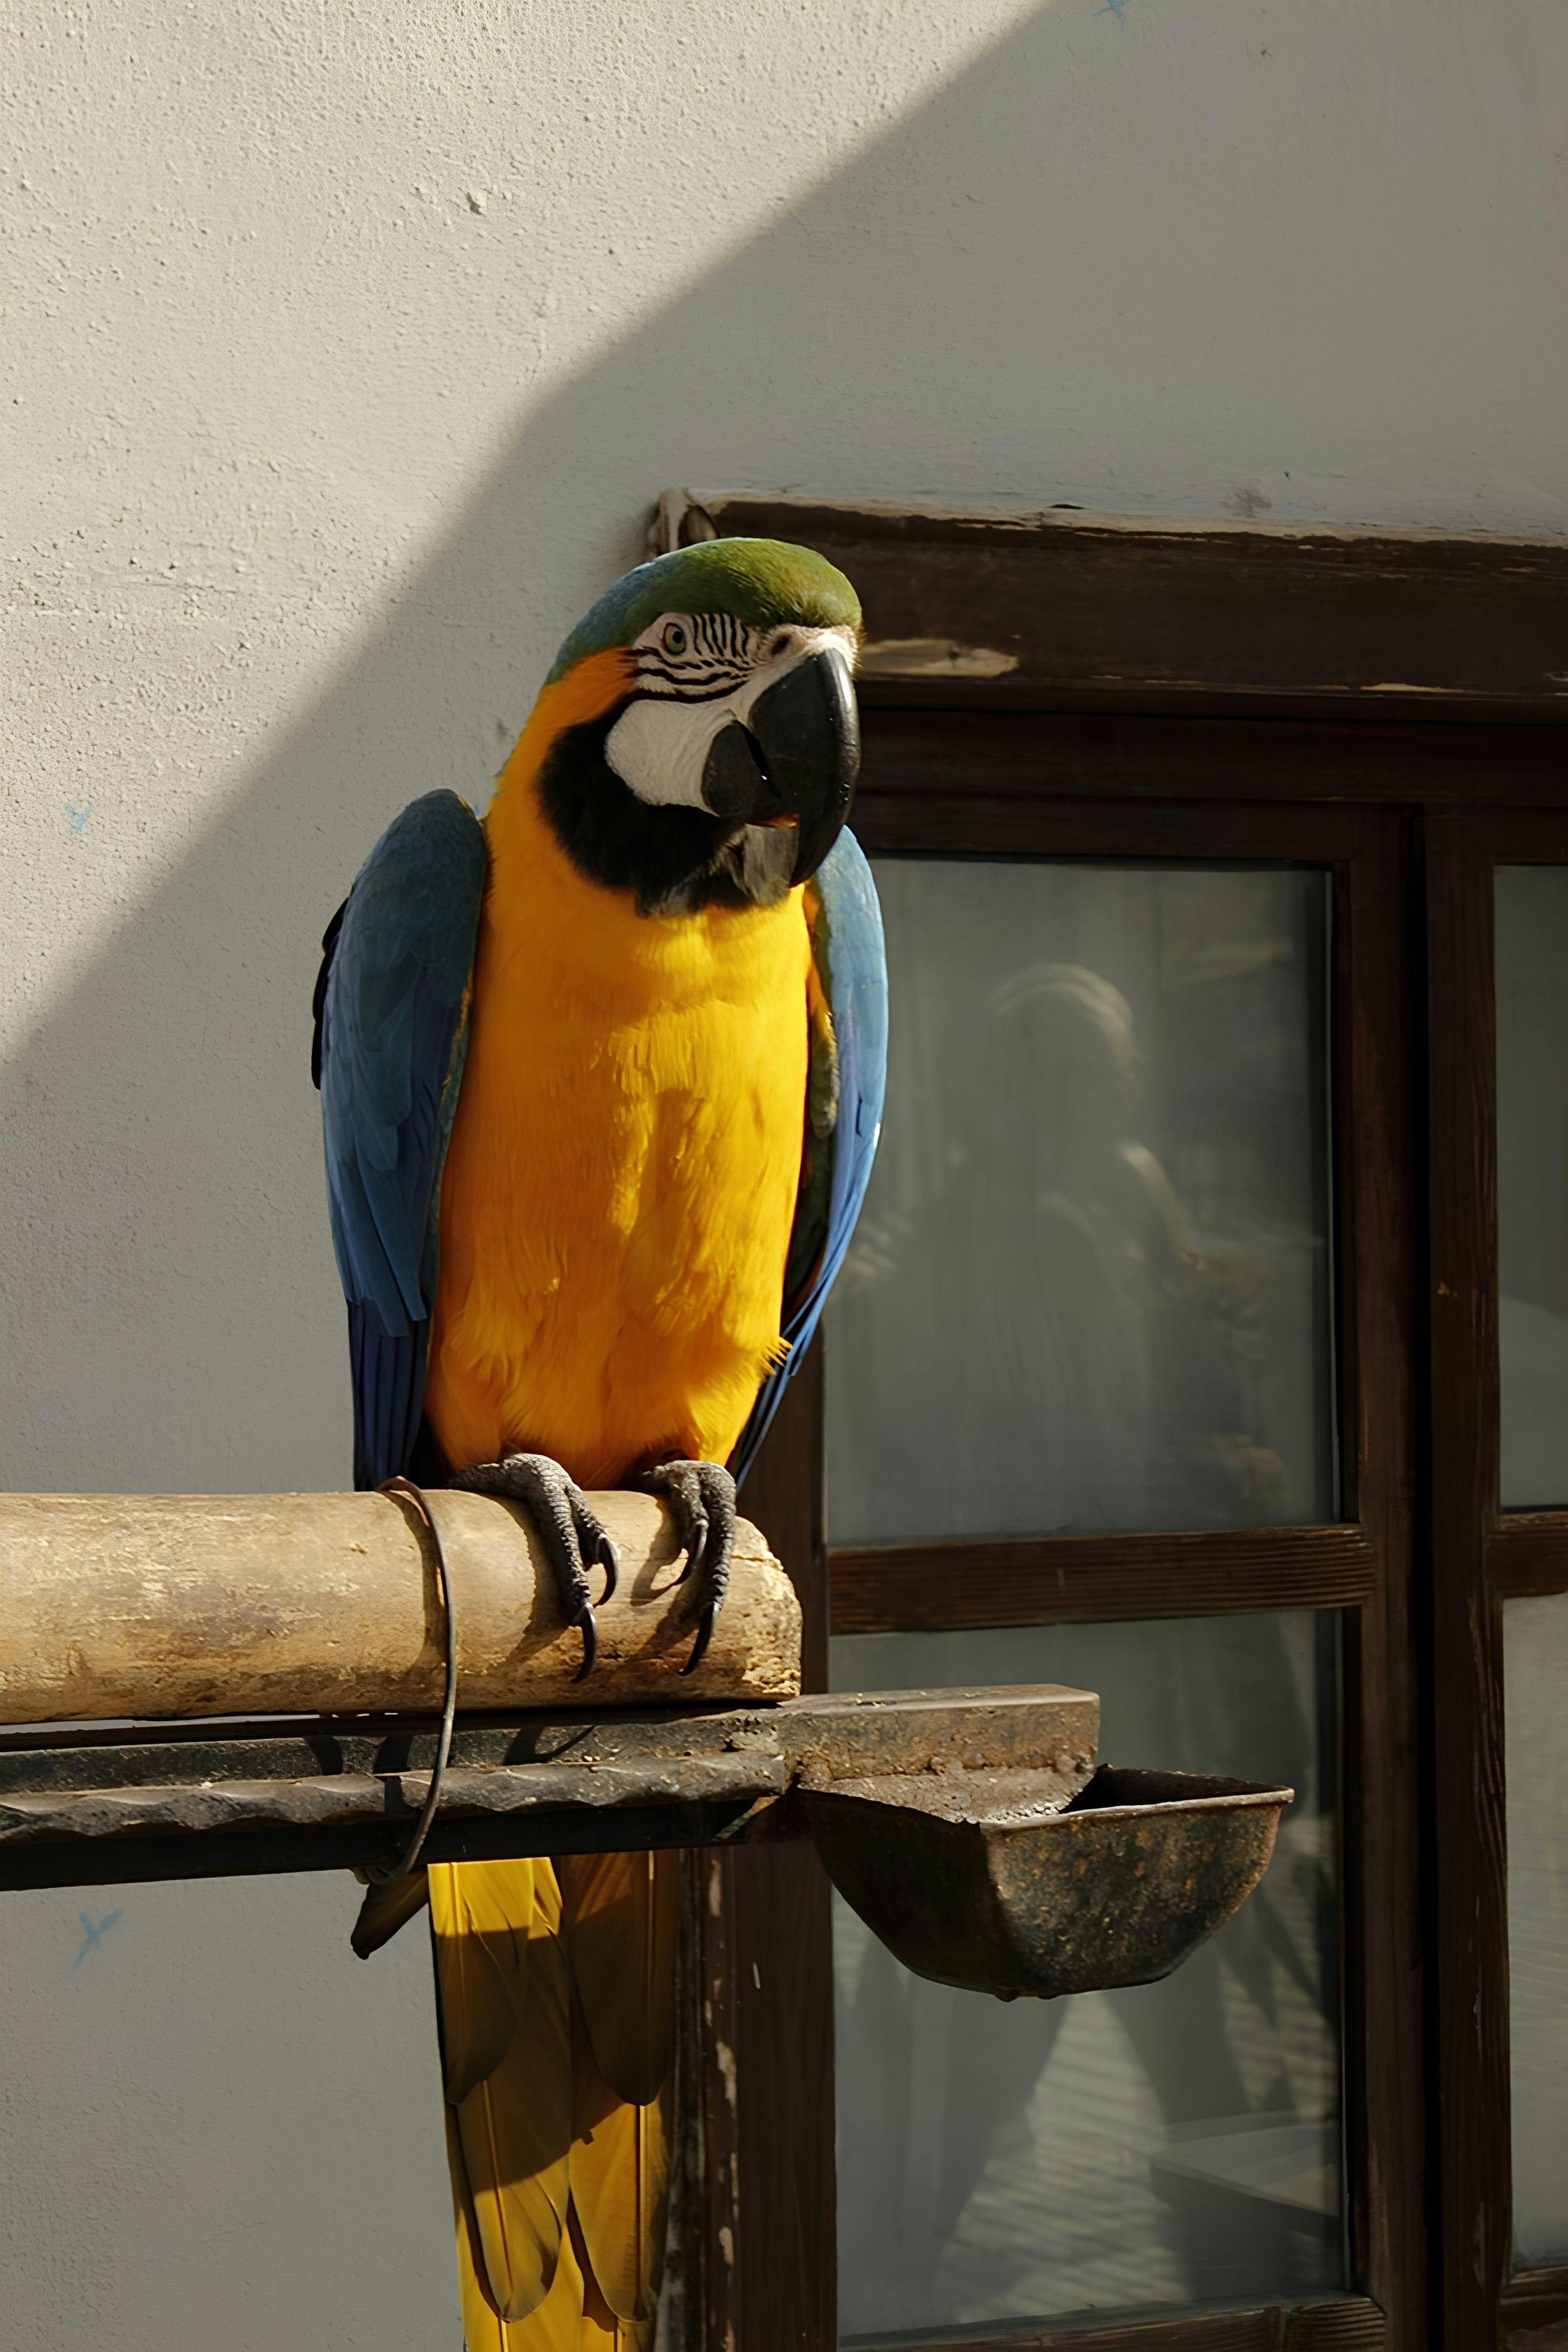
[849, 1080]
[390, 1009]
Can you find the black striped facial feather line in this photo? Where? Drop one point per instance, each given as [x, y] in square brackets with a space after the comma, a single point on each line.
[697, 657]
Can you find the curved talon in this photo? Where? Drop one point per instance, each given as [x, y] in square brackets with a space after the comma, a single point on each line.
[589, 1623]
[704, 1635]
[610, 1562]
[696, 1546]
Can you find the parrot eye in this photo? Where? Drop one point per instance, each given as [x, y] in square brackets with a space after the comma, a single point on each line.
[674, 638]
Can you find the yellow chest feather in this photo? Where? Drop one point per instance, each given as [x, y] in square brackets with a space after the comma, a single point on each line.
[621, 1183]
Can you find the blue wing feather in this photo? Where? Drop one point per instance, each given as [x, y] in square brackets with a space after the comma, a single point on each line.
[849, 1072]
[392, 1031]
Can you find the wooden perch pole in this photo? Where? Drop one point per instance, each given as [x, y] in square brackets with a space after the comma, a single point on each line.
[177, 1605]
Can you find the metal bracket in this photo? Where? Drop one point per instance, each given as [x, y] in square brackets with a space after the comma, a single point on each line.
[970, 1829]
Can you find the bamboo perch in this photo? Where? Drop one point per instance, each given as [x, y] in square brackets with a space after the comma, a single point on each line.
[150, 1606]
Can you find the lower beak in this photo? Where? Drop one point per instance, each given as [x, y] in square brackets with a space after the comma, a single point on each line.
[802, 759]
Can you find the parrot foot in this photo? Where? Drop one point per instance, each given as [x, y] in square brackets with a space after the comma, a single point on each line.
[571, 1536]
[701, 1498]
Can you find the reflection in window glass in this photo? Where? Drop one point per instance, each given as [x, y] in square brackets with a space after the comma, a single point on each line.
[1532, 1181]
[1535, 1677]
[1089, 1287]
[1169, 2143]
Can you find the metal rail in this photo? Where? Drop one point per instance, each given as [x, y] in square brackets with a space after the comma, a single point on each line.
[84, 1805]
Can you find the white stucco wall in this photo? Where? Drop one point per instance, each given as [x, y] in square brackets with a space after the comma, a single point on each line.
[342, 352]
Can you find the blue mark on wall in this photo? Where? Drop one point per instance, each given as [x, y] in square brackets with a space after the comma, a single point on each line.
[1114, 8]
[79, 817]
[91, 1935]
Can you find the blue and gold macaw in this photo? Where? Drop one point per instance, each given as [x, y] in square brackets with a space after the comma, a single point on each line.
[601, 1079]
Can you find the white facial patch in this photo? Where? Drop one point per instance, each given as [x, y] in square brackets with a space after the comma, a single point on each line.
[658, 747]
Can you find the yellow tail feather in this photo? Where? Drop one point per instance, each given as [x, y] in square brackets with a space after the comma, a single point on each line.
[555, 1996]
[619, 1915]
[620, 2183]
[559, 2325]
[481, 1921]
[514, 2126]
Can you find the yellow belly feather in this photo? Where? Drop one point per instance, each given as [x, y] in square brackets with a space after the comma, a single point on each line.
[618, 1196]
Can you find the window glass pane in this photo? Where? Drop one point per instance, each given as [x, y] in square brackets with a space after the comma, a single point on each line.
[1535, 1668]
[1089, 1287]
[1169, 2143]
[1532, 1181]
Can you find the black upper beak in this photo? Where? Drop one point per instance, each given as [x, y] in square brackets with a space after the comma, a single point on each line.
[798, 756]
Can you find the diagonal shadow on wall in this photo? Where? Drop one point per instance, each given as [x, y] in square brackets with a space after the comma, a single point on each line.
[1039, 267]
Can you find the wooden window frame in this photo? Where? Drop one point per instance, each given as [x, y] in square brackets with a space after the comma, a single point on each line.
[1481, 1557]
[1383, 709]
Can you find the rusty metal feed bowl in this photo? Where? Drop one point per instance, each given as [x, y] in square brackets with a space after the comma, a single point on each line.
[972, 1881]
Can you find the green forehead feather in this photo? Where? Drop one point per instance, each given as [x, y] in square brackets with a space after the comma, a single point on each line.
[761, 581]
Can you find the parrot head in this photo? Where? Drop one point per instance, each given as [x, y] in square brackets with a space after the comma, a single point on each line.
[708, 746]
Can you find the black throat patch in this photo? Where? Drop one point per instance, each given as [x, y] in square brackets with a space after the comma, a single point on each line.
[667, 857]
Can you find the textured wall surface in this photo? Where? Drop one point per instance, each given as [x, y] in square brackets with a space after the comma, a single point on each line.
[344, 350]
